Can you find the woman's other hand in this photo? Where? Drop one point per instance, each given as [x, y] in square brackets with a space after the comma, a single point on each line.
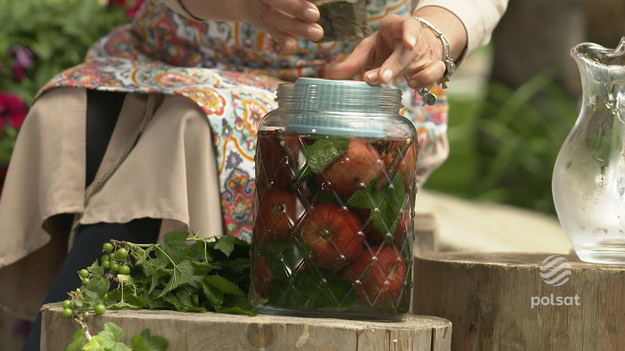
[284, 20]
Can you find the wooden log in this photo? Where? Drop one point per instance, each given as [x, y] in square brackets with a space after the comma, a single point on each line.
[214, 331]
[501, 301]
[425, 233]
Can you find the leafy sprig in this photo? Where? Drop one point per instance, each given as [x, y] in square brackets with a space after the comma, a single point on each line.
[185, 273]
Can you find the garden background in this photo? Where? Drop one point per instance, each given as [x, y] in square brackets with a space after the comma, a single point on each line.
[511, 104]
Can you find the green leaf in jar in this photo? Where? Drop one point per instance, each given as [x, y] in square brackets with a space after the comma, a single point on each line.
[321, 154]
[384, 203]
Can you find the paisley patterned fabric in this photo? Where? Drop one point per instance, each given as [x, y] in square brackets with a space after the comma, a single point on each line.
[231, 70]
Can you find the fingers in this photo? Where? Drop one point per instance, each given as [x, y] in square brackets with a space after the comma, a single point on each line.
[401, 47]
[299, 9]
[413, 55]
[279, 21]
[428, 76]
[284, 20]
[410, 53]
[355, 63]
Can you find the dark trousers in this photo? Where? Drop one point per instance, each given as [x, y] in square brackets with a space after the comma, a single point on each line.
[102, 111]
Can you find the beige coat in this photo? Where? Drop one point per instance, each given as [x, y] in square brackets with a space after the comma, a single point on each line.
[47, 178]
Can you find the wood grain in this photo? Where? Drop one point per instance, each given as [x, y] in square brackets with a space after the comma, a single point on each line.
[488, 298]
[213, 331]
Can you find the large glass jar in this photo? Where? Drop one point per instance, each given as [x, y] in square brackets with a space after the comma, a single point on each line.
[334, 202]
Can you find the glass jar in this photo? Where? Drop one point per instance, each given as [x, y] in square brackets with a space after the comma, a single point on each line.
[334, 202]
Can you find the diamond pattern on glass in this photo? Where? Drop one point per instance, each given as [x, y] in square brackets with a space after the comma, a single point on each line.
[333, 223]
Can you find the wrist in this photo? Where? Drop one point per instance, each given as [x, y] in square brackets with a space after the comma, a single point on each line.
[450, 65]
[448, 23]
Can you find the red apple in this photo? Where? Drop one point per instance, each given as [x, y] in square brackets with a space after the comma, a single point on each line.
[333, 234]
[275, 210]
[261, 275]
[276, 159]
[353, 170]
[408, 164]
[378, 275]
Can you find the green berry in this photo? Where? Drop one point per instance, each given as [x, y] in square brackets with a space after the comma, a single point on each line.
[121, 253]
[85, 281]
[107, 247]
[124, 269]
[84, 273]
[99, 309]
[106, 264]
[115, 267]
[68, 312]
[68, 303]
[86, 315]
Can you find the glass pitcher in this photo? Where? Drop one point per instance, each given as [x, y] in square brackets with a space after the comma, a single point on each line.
[589, 174]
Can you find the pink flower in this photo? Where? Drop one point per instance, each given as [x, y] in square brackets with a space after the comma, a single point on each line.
[24, 59]
[12, 109]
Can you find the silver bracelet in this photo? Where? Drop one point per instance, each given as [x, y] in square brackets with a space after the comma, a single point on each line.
[450, 65]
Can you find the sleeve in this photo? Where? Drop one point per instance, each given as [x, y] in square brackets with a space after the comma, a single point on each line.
[478, 16]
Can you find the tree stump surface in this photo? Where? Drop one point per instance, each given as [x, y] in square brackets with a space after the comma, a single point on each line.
[214, 331]
[501, 301]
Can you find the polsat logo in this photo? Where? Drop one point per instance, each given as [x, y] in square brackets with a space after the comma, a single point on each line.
[555, 270]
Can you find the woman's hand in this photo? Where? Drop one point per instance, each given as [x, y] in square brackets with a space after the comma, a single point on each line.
[283, 20]
[400, 47]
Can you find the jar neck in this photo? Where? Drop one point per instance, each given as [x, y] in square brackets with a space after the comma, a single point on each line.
[356, 98]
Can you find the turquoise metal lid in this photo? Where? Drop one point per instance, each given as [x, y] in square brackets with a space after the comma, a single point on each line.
[319, 106]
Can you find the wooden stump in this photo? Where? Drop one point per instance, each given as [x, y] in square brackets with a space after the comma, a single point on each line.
[425, 233]
[214, 331]
[501, 301]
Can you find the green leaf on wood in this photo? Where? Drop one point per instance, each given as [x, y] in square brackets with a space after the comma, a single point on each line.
[182, 274]
[148, 342]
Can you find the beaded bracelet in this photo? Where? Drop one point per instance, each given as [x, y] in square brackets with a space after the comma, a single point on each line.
[450, 65]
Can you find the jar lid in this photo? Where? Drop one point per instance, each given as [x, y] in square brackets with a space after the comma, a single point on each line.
[341, 96]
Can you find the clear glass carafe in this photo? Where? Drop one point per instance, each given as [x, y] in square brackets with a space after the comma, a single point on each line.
[589, 175]
[334, 203]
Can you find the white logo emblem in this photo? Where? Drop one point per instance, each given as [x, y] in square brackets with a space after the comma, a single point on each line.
[555, 270]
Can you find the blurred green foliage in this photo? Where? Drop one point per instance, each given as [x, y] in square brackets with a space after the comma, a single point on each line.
[503, 148]
[58, 32]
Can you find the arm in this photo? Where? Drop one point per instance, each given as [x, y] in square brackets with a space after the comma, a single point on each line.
[478, 17]
[282, 19]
